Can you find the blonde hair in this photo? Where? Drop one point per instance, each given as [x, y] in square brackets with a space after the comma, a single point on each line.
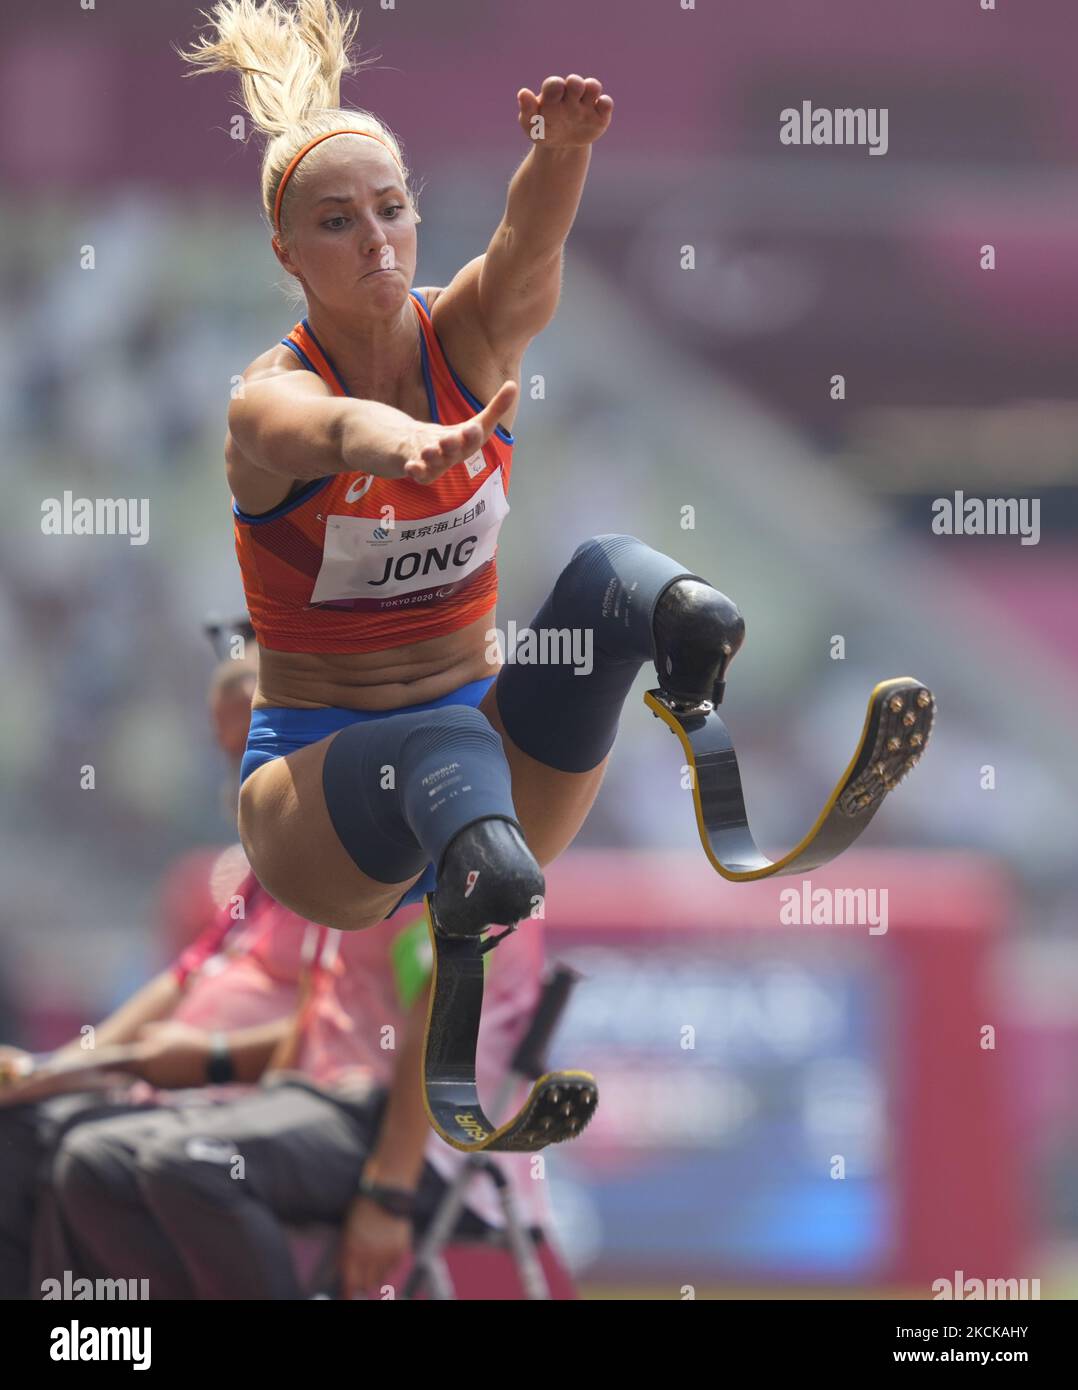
[291, 58]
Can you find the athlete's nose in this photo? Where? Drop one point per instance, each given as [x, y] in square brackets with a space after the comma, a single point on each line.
[374, 238]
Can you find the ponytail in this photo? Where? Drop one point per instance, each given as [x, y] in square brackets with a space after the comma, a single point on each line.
[291, 58]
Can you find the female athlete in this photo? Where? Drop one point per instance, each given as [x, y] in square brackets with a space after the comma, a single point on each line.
[388, 758]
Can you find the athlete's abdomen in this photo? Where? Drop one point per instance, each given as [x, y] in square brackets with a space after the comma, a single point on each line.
[405, 675]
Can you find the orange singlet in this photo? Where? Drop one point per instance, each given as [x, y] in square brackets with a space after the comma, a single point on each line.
[356, 563]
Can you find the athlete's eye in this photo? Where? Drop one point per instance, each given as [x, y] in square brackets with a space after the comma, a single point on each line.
[339, 221]
[394, 208]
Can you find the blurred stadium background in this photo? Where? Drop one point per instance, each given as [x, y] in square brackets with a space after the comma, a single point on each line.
[663, 388]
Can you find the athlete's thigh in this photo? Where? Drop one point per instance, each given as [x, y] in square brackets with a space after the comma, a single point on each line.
[550, 805]
[291, 845]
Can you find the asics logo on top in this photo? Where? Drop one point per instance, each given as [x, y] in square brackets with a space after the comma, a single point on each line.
[356, 491]
[469, 882]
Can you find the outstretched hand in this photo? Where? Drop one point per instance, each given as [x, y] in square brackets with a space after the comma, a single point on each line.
[573, 111]
[434, 448]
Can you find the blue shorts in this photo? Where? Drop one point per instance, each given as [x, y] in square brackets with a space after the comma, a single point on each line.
[277, 730]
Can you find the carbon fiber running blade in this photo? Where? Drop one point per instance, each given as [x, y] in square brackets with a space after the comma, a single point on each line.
[561, 1102]
[897, 726]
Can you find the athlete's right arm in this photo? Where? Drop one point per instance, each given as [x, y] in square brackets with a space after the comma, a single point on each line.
[287, 423]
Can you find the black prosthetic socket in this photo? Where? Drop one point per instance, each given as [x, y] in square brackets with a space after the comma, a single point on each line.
[488, 874]
[698, 632]
[627, 597]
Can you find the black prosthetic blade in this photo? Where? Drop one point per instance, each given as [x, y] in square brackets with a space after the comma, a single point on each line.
[898, 722]
[561, 1102]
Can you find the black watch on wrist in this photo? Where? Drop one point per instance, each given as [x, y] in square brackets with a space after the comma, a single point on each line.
[398, 1201]
[220, 1068]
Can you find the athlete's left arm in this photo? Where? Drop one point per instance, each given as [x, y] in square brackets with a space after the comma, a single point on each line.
[512, 291]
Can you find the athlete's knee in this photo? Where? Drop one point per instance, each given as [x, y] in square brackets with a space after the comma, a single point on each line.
[396, 789]
[589, 564]
[383, 756]
[612, 584]
[610, 592]
[602, 543]
[461, 728]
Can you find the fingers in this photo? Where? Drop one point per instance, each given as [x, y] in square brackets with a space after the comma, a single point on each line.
[453, 444]
[586, 90]
[495, 408]
[421, 472]
[575, 109]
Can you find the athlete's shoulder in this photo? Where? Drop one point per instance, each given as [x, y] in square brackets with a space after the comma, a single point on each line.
[428, 294]
[275, 361]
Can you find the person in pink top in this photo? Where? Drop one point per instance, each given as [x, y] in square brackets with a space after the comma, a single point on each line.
[200, 1201]
[232, 992]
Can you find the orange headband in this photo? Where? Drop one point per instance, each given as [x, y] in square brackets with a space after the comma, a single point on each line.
[305, 150]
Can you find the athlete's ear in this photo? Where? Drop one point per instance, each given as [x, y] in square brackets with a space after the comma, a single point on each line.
[281, 254]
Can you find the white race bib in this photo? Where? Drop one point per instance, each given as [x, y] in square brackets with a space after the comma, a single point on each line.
[367, 566]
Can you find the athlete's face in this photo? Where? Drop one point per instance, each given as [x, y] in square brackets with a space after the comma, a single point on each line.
[350, 231]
